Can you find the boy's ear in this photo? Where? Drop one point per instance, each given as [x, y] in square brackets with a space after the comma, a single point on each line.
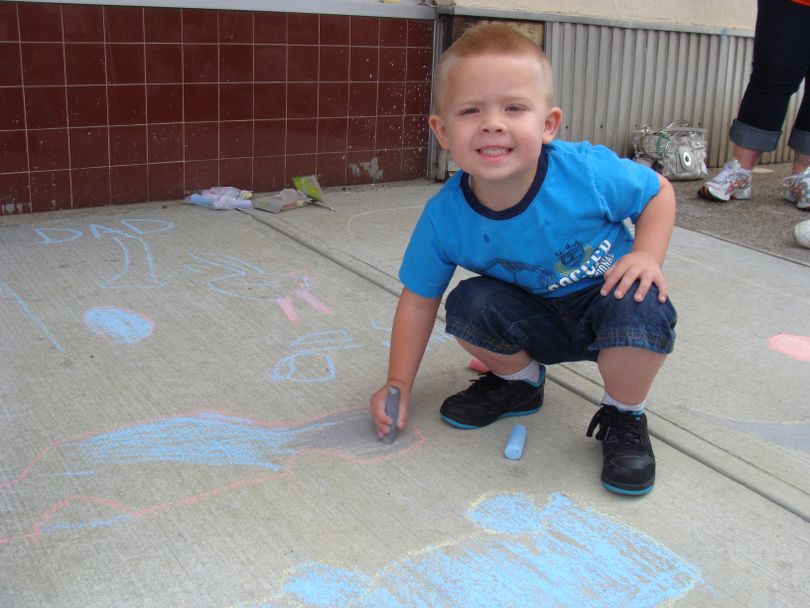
[439, 130]
[552, 124]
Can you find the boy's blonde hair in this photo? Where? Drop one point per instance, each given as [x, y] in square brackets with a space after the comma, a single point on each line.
[491, 39]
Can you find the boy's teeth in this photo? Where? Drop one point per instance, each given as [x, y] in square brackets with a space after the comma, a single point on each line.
[493, 151]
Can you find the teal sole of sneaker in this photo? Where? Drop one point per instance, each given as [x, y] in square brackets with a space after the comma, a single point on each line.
[626, 492]
[461, 425]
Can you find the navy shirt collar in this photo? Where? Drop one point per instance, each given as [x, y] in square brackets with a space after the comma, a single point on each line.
[478, 207]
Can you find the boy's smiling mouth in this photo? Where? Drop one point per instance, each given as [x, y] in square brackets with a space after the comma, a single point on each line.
[494, 151]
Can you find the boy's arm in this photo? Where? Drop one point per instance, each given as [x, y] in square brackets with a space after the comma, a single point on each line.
[413, 324]
[643, 264]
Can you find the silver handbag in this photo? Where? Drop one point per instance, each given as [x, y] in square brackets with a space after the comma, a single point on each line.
[678, 151]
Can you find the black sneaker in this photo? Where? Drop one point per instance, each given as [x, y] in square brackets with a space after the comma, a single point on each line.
[490, 398]
[628, 463]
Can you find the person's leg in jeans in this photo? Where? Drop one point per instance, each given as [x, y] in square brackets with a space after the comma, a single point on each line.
[796, 187]
[781, 61]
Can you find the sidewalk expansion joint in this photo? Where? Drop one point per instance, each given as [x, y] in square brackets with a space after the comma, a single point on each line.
[691, 445]
[788, 496]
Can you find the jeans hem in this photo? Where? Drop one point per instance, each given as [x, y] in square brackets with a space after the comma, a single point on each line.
[662, 345]
[799, 141]
[753, 138]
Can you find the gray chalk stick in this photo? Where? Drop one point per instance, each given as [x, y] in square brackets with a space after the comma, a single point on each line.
[514, 445]
[392, 411]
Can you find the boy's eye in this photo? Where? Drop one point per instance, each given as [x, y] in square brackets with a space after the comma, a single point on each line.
[468, 111]
[515, 108]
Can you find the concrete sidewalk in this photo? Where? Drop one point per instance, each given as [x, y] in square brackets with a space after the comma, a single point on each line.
[183, 423]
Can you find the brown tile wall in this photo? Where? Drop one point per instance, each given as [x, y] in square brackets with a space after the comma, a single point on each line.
[108, 105]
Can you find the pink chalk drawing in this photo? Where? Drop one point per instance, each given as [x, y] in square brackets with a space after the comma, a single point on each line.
[791, 345]
[250, 282]
[208, 453]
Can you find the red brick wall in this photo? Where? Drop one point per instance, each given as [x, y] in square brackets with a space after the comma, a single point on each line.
[114, 105]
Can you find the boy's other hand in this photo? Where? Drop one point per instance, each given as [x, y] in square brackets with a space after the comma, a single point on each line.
[377, 407]
[635, 266]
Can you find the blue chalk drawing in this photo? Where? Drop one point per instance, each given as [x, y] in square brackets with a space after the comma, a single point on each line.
[313, 354]
[88, 525]
[69, 235]
[138, 226]
[137, 259]
[30, 314]
[793, 435]
[138, 262]
[321, 585]
[209, 439]
[243, 280]
[128, 465]
[561, 555]
[118, 325]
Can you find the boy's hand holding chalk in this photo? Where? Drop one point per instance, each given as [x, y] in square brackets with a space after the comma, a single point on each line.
[389, 403]
[392, 411]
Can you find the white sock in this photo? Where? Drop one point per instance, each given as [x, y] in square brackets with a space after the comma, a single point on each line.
[530, 374]
[623, 407]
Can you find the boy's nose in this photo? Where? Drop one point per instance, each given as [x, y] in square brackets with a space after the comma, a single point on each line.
[492, 123]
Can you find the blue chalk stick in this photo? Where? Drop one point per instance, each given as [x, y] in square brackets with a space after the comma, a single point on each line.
[514, 445]
[392, 411]
[203, 201]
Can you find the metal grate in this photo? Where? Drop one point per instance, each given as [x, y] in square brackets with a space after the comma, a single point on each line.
[611, 80]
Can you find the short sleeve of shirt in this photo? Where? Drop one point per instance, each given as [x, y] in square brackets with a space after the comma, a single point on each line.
[626, 186]
[425, 269]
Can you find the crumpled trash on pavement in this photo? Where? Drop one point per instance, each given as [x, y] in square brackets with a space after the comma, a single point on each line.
[307, 190]
[222, 197]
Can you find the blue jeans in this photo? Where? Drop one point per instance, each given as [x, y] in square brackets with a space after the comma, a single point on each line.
[781, 62]
[505, 319]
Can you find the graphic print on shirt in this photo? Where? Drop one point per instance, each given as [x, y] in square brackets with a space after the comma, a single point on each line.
[576, 261]
[523, 274]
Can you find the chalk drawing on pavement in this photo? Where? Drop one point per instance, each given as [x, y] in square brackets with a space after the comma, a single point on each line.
[26, 310]
[118, 325]
[243, 451]
[243, 280]
[137, 259]
[367, 226]
[791, 345]
[521, 554]
[311, 361]
[791, 434]
[794, 435]
[50, 236]
[138, 264]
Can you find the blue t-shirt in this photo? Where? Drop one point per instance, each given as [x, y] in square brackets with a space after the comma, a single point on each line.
[561, 238]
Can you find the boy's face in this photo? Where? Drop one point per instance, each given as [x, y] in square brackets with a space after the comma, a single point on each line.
[494, 119]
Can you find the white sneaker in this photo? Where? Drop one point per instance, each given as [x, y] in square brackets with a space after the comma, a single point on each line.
[797, 189]
[731, 182]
